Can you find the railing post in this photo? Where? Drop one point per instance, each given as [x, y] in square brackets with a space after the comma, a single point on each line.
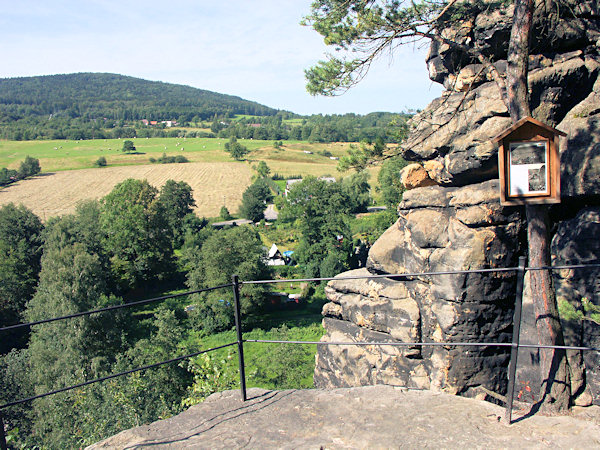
[3, 445]
[514, 351]
[238, 328]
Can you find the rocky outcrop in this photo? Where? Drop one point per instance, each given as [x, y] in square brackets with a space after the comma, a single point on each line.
[457, 129]
[457, 223]
[439, 229]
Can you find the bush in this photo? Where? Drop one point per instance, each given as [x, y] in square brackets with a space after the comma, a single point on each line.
[224, 213]
[164, 159]
[100, 162]
[8, 176]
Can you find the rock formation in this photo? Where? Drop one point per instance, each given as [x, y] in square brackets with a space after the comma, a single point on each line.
[458, 223]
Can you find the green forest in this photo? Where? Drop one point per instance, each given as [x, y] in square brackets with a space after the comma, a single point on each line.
[140, 242]
[104, 106]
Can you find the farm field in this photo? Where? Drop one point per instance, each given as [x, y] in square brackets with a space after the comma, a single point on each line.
[57, 193]
[69, 176]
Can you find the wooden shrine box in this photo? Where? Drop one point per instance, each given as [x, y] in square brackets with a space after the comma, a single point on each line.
[529, 163]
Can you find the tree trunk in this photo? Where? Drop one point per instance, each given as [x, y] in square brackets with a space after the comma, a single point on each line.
[518, 60]
[555, 392]
[556, 389]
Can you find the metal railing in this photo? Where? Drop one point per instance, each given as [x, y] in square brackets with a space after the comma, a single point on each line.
[236, 284]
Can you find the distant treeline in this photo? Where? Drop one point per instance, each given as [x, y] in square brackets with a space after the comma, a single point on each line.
[319, 128]
[316, 128]
[104, 106]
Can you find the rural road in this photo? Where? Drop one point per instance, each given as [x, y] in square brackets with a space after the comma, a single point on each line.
[363, 417]
[270, 213]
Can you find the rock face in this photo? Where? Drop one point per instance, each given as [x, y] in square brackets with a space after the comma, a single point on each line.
[458, 223]
[439, 229]
[456, 129]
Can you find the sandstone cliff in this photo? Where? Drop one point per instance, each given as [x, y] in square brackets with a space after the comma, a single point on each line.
[455, 221]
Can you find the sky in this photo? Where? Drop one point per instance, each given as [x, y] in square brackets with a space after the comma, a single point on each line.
[254, 49]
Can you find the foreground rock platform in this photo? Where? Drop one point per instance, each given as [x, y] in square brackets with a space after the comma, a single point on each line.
[360, 417]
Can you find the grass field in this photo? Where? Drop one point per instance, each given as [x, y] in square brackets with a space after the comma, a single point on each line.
[68, 174]
[68, 155]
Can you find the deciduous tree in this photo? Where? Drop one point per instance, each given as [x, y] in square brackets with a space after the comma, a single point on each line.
[177, 201]
[67, 352]
[254, 200]
[137, 234]
[29, 167]
[235, 149]
[238, 250]
[128, 147]
[20, 253]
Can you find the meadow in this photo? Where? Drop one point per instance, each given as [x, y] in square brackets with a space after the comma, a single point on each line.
[69, 174]
[60, 155]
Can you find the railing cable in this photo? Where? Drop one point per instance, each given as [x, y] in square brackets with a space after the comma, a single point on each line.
[112, 308]
[427, 344]
[418, 274]
[115, 375]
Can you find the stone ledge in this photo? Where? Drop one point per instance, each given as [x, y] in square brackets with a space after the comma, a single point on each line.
[363, 417]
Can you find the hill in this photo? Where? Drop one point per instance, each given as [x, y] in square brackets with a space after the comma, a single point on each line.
[104, 99]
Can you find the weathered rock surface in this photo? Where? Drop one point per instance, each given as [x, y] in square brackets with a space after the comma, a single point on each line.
[456, 130]
[577, 242]
[414, 176]
[366, 417]
[580, 149]
[439, 229]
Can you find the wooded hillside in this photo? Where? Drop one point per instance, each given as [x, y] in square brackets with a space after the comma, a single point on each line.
[100, 98]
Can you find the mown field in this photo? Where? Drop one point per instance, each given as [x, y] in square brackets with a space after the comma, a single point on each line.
[69, 176]
[57, 193]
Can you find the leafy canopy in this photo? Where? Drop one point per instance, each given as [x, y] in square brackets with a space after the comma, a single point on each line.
[254, 200]
[235, 149]
[177, 200]
[138, 235]
[237, 250]
[20, 253]
[128, 147]
[321, 212]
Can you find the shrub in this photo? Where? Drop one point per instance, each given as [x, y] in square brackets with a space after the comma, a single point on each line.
[100, 162]
[164, 159]
[224, 213]
[8, 176]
